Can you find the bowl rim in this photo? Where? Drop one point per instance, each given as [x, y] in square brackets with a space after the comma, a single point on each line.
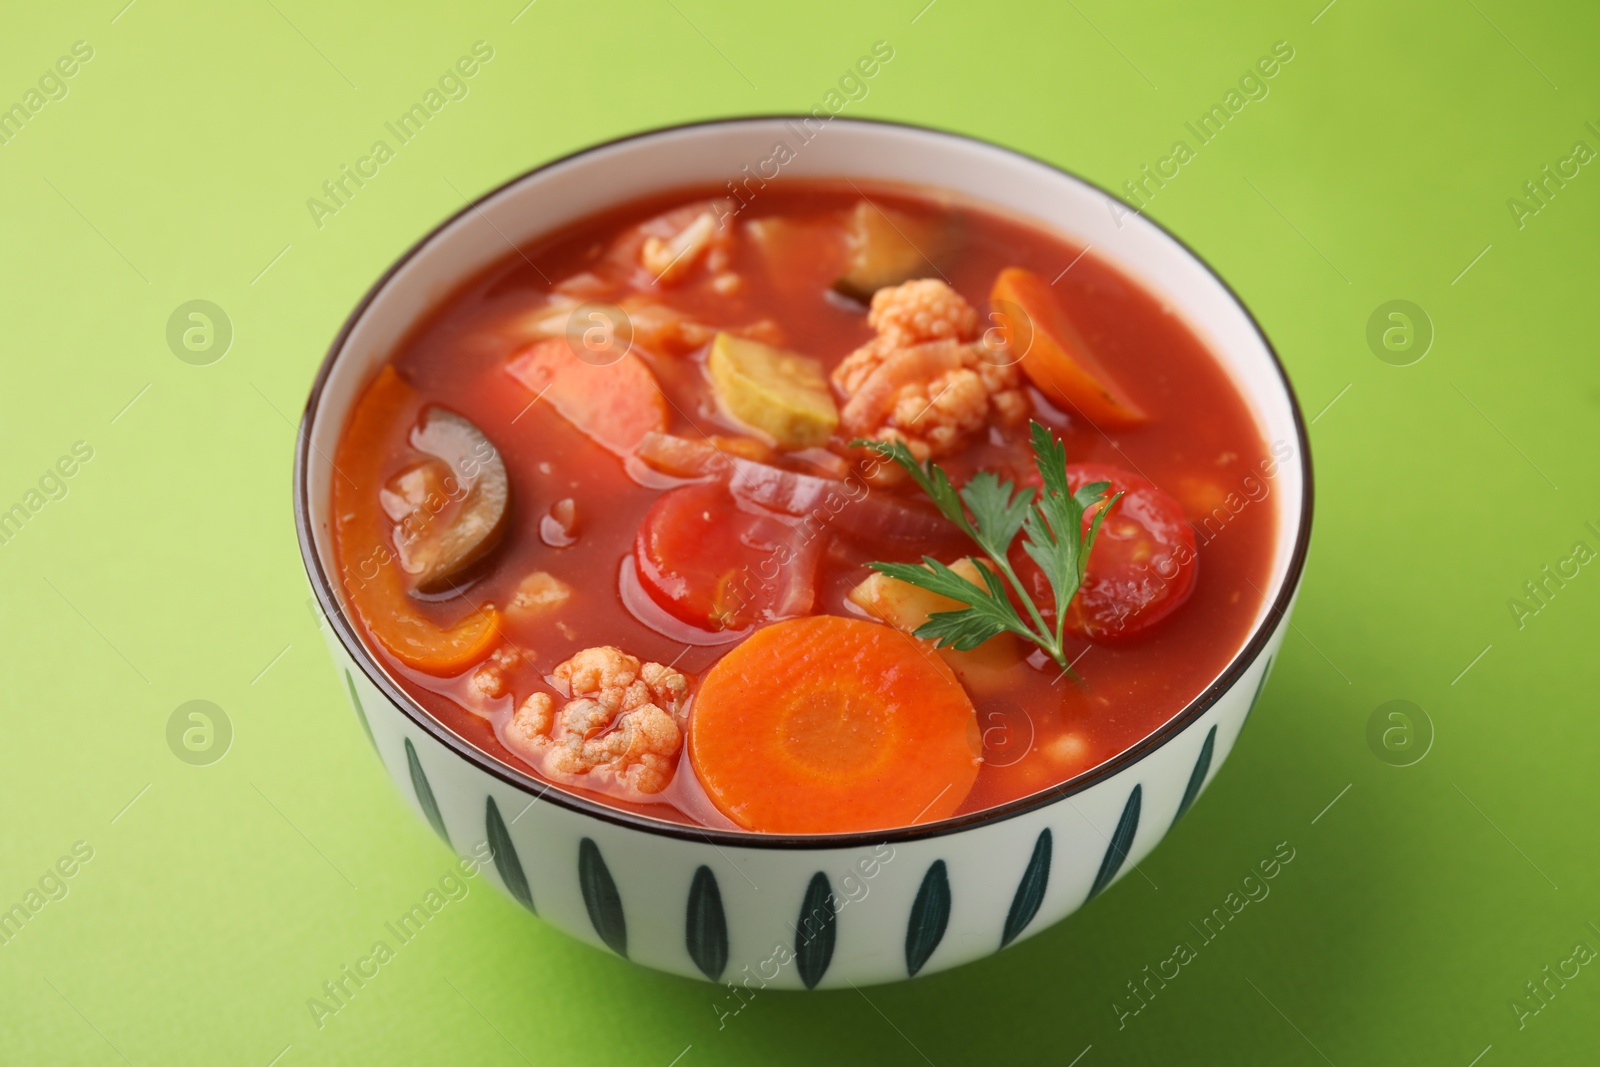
[552, 791]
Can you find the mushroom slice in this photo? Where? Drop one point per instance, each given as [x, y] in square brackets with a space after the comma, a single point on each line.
[479, 490]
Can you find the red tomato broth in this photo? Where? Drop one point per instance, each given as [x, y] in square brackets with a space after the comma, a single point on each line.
[1200, 443]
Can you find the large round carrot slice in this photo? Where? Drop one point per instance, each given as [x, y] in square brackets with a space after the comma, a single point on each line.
[831, 725]
[1055, 356]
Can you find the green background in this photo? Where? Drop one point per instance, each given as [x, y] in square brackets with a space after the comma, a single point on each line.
[1378, 168]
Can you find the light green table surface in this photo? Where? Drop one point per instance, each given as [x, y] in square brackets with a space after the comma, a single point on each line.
[1378, 166]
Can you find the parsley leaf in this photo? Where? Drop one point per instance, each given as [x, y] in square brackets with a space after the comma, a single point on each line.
[996, 513]
[988, 613]
[992, 513]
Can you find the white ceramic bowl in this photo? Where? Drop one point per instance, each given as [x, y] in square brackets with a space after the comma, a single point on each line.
[769, 910]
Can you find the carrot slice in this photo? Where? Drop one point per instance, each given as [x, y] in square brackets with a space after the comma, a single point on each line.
[830, 725]
[1056, 356]
[374, 581]
[614, 403]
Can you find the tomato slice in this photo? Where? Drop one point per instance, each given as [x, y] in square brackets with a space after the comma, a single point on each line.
[1143, 564]
[718, 566]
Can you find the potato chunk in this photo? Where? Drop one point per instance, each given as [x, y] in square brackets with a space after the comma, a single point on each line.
[782, 394]
[540, 593]
[983, 670]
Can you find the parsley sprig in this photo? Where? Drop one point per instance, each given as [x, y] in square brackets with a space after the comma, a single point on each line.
[992, 512]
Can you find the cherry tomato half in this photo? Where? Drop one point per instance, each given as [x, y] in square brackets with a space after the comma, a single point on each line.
[717, 566]
[1143, 564]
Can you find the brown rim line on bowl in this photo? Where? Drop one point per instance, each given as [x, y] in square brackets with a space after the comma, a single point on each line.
[589, 850]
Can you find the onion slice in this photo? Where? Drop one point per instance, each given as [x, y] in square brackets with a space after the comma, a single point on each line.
[848, 506]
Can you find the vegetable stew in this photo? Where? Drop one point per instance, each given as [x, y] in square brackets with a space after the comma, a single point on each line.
[848, 507]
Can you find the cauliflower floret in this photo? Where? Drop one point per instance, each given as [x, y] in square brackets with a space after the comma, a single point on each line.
[538, 594]
[925, 309]
[492, 680]
[923, 380]
[622, 724]
[939, 414]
